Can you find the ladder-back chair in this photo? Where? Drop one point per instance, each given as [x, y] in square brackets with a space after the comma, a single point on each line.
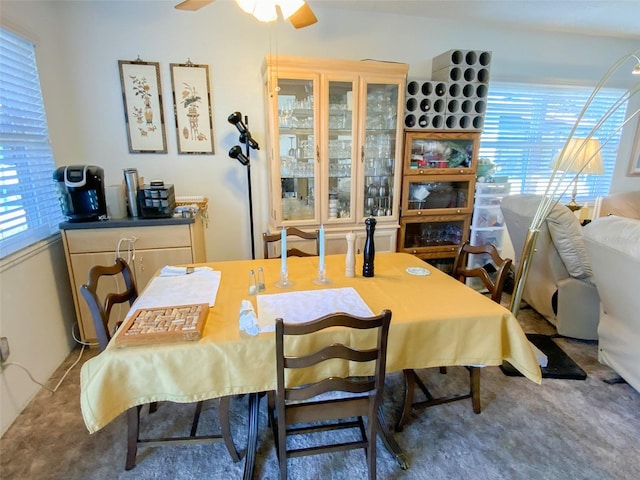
[297, 409]
[492, 270]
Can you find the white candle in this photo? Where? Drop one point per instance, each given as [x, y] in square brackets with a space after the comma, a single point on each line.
[321, 241]
[283, 249]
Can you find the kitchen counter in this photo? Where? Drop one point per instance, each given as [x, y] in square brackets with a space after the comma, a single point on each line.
[126, 222]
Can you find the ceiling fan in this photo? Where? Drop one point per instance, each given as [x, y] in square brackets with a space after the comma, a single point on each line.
[296, 11]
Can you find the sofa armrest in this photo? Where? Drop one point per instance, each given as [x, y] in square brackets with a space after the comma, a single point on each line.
[578, 309]
[622, 204]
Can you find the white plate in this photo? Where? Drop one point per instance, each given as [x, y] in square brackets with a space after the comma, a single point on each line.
[418, 271]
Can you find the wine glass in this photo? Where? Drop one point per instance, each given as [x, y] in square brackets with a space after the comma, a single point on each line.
[292, 150]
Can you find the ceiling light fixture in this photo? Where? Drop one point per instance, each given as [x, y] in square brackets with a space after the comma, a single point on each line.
[265, 11]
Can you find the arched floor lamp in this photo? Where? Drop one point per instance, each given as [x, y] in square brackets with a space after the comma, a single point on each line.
[245, 159]
[554, 189]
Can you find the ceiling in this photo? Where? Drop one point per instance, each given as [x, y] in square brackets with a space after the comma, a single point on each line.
[614, 18]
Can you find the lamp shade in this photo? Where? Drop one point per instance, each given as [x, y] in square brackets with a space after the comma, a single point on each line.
[636, 69]
[580, 156]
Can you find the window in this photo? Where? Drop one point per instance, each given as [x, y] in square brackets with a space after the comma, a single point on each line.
[29, 208]
[526, 127]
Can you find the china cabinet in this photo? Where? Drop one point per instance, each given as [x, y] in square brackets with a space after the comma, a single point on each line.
[335, 146]
[439, 176]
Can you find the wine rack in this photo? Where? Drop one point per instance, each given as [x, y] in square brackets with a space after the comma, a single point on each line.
[454, 98]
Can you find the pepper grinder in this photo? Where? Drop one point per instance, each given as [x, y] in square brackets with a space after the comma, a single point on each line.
[350, 259]
[369, 248]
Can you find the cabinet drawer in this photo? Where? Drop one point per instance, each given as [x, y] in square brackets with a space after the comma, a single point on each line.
[106, 239]
[487, 216]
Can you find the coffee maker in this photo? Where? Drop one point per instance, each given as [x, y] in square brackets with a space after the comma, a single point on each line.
[81, 192]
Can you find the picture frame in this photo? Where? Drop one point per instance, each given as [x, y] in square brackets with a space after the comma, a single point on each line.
[634, 162]
[192, 108]
[142, 98]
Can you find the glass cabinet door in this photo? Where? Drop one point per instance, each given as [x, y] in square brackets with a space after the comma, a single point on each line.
[379, 149]
[433, 233]
[437, 194]
[429, 153]
[341, 188]
[297, 148]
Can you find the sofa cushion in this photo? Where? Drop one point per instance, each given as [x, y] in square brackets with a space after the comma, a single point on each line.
[563, 226]
[566, 234]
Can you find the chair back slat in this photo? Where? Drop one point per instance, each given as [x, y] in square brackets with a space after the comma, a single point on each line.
[101, 309]
[360, 397]
[336, 350]
[494, 284]
[292, 252]
[332, 384]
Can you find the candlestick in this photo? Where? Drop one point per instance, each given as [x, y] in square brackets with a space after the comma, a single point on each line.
[284, 281]
[283, 250]
[321, 241]
[321, 279]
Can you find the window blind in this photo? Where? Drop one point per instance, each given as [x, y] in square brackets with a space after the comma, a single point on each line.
[29, 207]
[526, 127]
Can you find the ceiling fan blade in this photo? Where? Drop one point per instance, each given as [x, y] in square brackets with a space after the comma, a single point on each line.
[303, 17]
[193, 5]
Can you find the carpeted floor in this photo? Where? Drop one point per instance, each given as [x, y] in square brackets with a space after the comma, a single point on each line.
[562, 429]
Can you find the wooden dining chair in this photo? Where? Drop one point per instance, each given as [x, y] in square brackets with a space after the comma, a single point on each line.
[492, 270]
[296, 409]
[269, 239]
[121, 274]
[126, 292]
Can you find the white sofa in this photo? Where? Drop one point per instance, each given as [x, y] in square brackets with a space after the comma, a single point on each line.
[559, 285]
[613, 244]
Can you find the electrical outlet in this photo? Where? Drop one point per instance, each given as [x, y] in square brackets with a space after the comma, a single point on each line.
[4, 349]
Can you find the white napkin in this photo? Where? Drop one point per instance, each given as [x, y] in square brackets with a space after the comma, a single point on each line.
[164, 291]
[248, 319]
[170, 271]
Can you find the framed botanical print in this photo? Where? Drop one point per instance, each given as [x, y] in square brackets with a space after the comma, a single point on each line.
[192, 108]
[142, 96]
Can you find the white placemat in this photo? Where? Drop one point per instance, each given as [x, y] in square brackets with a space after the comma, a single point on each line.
[303, 306]
[196, 287]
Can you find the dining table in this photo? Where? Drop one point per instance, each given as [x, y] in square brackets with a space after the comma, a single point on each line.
[436, 321]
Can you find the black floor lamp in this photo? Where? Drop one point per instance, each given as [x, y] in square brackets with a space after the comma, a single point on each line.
[244, 158]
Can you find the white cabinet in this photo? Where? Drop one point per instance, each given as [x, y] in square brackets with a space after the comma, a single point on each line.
[146, 245]
[335, 145]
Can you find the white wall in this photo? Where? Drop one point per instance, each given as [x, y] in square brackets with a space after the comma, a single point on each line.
[82, 90]
[79, 44]
[36, 315]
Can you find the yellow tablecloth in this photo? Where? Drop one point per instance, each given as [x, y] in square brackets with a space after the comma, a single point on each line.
[436, 321]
